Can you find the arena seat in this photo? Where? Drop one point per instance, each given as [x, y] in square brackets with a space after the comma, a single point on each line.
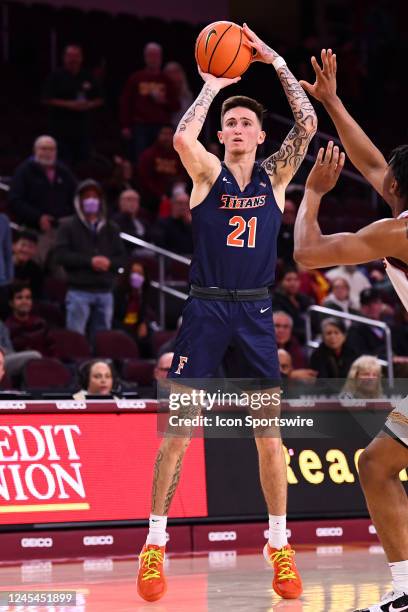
[115, 344]
[70, 345]
[46, 373]
[160, 337]
[138, 370]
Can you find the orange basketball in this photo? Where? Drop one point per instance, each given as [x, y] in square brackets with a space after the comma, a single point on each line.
[222, 49]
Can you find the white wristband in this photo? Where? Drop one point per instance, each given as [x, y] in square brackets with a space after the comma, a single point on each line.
[278, 63]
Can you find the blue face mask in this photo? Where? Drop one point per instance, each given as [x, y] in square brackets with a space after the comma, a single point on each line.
[136, 280]
[91, 206]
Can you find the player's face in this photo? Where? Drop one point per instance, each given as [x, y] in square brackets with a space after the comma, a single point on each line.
[241, 131]
[100, 379]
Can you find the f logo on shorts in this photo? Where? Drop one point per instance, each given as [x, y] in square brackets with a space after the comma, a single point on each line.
[182, 363]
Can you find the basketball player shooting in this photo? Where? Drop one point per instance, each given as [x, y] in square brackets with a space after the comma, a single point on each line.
[236, 214]
[384, 458]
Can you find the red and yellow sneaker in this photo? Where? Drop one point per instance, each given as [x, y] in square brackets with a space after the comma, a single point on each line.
[286, 581]
[151, 581]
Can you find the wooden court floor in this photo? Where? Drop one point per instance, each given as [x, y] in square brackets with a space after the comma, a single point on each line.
[336, 579]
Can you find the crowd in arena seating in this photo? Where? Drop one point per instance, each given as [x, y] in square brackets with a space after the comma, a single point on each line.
[64, 265]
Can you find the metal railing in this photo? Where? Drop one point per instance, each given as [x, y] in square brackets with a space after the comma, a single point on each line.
[356, 318]
[161, 286]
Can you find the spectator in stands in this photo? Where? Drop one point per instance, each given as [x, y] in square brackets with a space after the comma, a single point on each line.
[285, 237]
[177, 75]
[334, 356]
[365, 339]
[121, 179]
[96, 377]
[364, 379]
[71, 94]
[289, 299]
[283, 324]
[160, 372]
[90, 249]
[26, 269]
[14, 360]
[6, 261]
[356, 280]
[313, 283]
[132, 311]
[27, 331]
[42, 191]
[339, 298]
[174, 233]
[128, 216]
[159, 167]
[287, 370]
[148, 100]
[178, 191]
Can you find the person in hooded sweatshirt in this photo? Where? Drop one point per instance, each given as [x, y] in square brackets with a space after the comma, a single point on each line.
[90, 249]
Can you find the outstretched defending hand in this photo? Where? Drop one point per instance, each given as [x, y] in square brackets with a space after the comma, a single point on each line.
[324, 88]
[326, 170]
[216, 82]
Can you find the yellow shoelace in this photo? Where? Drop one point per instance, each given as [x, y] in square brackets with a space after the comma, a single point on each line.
[150, 560]
[283, 558]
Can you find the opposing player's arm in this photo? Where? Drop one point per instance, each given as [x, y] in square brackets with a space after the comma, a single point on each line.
[283, 165]
[361, 151]
[199, 163]
[314, 250]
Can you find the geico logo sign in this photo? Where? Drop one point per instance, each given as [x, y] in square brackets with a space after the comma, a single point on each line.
[98, 540]
[222, 536]
[36, 543]
[329, 532]
[372, 529]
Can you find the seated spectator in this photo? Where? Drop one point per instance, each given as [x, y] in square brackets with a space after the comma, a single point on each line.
[147, 102]
[14, 360]
[90, 249]
[26, 269]
[339, 298]
[286, 368]
[175, 233]
[289, 299]
[158, 168]
[27, 331]
[178, 77]
[71, 94]
[365, 339]
[42, 190]
[132, 312]
[178, 191]
[122, 179]
[364, 379]
[334, 356]
[96, 377]
[161, 370]
[283, 324]
[356, 279]
[127, 217]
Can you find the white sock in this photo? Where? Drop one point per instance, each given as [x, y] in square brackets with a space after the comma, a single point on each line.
[277, 531]
[157, 530]
[399, 571]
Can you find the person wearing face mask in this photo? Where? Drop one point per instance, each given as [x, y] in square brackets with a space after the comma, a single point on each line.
[90, 249]
[132, 311]
[42, 189]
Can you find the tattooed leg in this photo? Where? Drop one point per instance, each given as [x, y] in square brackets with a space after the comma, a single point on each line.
[167, 471]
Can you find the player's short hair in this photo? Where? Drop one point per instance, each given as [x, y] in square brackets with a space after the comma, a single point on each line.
[399, 165]
[244, 101]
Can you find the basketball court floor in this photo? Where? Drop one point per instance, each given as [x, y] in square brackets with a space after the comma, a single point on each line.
[336, 579]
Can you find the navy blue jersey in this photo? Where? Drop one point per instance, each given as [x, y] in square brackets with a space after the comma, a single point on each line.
[235, 233]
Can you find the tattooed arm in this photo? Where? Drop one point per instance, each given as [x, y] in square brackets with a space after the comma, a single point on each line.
[199, 163]
[282, 165]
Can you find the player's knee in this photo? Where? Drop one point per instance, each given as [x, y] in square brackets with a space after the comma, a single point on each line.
[176, 445]
[372, 468]
[269, 447]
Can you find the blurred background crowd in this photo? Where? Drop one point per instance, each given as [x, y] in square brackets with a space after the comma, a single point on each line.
[88, 108]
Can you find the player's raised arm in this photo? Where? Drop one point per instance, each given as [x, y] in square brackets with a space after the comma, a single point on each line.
[283, 165]
[360, 149]
[199, 163]
[314, 250]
